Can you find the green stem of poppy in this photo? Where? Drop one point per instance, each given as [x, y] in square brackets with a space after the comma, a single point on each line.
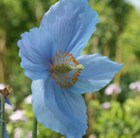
[34, 132]
[2, 109]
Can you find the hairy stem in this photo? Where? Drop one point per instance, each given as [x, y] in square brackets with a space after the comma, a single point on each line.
[34, 132]
[2, 105]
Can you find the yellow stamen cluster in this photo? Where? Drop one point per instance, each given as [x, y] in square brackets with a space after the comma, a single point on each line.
[65, 69]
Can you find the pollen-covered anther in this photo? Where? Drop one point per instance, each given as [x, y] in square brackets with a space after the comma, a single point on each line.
[65, 69]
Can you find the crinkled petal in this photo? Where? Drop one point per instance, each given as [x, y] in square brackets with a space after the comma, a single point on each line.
[60, 110]
[99, 71]
[35, 51]
[71, 23]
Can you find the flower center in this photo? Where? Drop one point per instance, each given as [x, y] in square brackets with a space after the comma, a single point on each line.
[65, 69]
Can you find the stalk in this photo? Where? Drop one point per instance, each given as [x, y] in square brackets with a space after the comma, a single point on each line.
[34, 132]
[2, 109]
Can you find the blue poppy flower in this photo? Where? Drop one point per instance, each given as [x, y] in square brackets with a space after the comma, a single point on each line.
[50, 56]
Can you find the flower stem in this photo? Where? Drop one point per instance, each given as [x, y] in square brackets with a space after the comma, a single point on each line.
[2, 105]
[34, 132]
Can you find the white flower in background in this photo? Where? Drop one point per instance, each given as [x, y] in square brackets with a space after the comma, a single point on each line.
[92, 136]
[28, 99]
[18, 115]
[18, 133]
[135, 86]
[8, 107]
[113, 88]
[29, 134]
[106, 105]
[2, 86]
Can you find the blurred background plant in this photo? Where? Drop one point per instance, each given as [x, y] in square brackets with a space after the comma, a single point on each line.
[114, 112]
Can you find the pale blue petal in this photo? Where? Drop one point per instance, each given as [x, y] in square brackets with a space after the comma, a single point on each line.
[60, 110]
[98, 72]
[71, 23]
[35, 51]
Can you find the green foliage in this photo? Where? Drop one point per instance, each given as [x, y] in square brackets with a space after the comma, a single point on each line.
[130, 43]
[118, 121]
[113, 18]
